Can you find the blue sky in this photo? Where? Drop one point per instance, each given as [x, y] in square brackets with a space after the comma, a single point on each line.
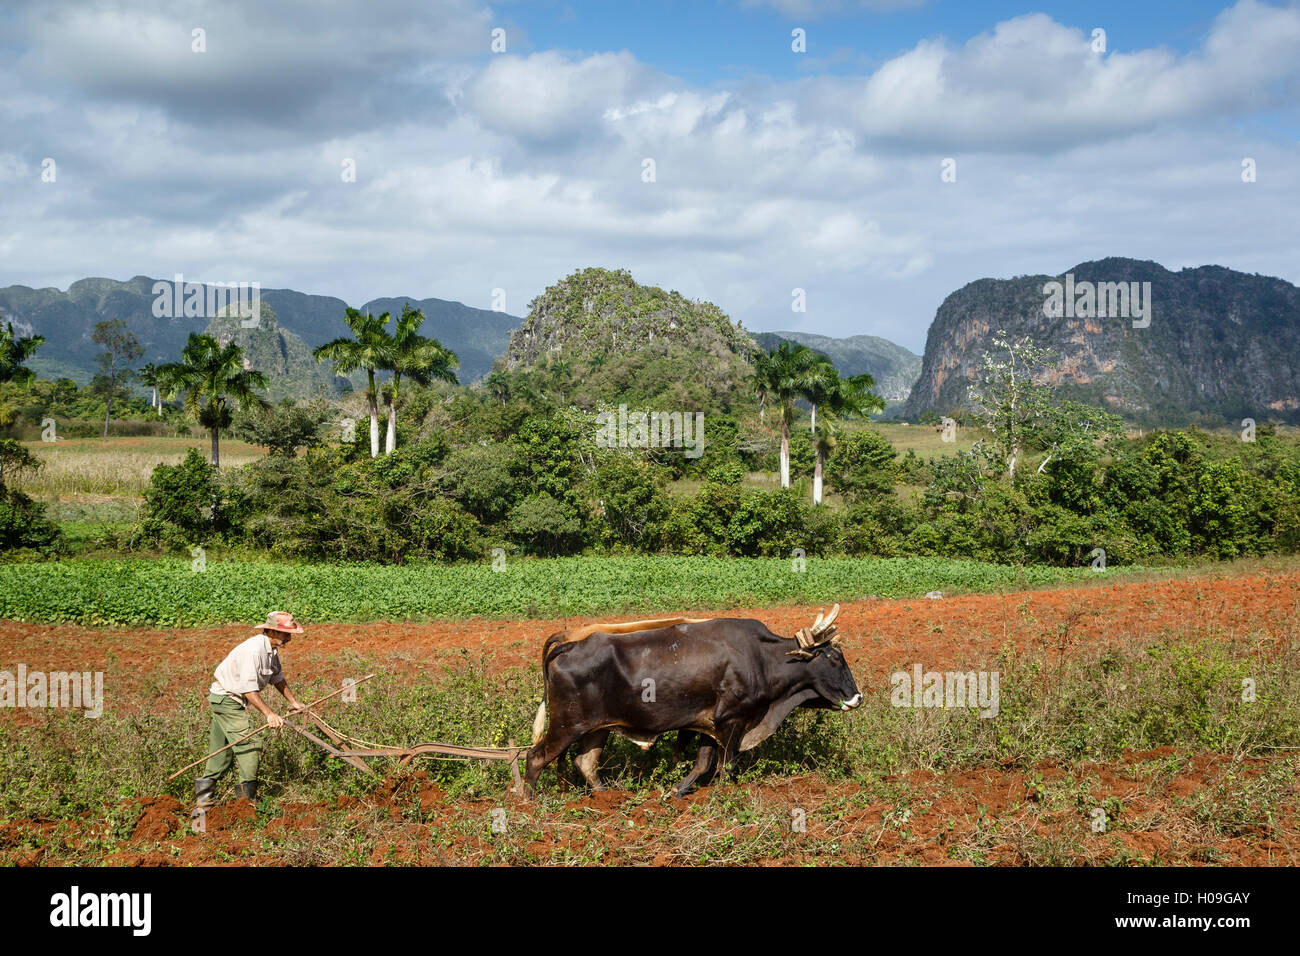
[774, 171]
[710, 40]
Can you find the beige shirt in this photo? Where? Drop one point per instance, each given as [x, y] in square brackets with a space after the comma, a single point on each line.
[250, 666]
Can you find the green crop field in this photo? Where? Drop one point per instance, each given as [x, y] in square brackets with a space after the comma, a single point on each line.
[170, 592]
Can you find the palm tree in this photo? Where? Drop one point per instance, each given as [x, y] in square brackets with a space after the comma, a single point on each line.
[843, 398]
[212, 376]
[148, 376]
[762, 376]
[13, 352]
[418, 358]
[821, 379]
[784, 374]
[369, 349]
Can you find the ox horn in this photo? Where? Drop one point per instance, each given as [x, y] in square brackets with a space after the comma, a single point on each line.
[825, 622]
[822, 630]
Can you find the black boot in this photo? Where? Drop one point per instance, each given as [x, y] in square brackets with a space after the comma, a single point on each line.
[250, 791]
[205, 791]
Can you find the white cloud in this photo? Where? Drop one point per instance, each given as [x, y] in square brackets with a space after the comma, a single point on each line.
[1032, 84]
[478, 171]
[550, 98]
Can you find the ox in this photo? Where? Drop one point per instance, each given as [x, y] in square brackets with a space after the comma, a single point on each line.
[730, 679]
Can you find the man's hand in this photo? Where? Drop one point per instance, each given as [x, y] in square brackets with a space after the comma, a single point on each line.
[283, 687]
[273, 720]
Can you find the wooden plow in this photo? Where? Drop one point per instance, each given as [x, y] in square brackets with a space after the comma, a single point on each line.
[353, 751]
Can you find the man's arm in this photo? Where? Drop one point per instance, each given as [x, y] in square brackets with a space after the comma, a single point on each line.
[282, 686]
[272, 718]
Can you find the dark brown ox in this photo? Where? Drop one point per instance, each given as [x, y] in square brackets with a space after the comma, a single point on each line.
[730, 679]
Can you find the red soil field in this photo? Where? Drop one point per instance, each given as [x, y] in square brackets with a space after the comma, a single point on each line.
[150, 668]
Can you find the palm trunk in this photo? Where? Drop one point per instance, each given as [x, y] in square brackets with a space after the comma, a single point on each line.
[216, 447]
[817, 479]
[108, 410]
[374, 416]
[813, 426]
[392, 417]
[785, 450]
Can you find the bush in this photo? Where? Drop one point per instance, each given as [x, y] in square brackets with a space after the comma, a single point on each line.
[281, 429]
[443, 529]
[862, 466]
[24, 526]
[726, 473]
[545, 526]
[701, 524]
[632, 502]
[183, 504]
[768, 524]
[484, 479]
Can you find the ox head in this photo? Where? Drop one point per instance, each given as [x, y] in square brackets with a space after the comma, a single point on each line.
[819, 649]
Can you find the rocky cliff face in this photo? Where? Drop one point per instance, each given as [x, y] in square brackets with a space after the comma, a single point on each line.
[1211, 343]
[284, 358]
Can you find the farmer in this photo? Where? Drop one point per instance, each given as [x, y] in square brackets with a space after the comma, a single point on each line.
[240, 680]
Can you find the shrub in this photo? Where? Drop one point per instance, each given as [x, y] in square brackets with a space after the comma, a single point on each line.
[183, 504]
[24, 526]
[281, 429]
[443, 529]
[768, 523]
[631, 500]
[862, 465]
[484, 479]
[544, 525]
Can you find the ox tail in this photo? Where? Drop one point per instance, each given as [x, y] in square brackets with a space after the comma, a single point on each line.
[539, 722]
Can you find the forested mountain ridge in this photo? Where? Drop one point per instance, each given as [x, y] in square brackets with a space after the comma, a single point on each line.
[67, 321]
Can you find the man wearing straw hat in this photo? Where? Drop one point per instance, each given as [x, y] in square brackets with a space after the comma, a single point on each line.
[240, 680]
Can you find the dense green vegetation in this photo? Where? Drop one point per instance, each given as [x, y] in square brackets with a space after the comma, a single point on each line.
[178, 592]
[543, 487]
[522, 463]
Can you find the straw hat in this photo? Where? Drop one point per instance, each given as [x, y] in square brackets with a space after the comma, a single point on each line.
[281, 621]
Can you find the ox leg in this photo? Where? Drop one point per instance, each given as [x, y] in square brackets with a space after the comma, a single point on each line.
[681, 743]
[545, 751]
[561, 772]
[588, 757]
[731, 749]
[703, 762]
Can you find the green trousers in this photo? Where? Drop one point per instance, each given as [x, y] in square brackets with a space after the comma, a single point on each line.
[230, 722]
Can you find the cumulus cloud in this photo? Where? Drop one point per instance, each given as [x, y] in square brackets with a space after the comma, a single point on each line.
[295, 64]
[548, 98]
[478, 171]
[1034, 84]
